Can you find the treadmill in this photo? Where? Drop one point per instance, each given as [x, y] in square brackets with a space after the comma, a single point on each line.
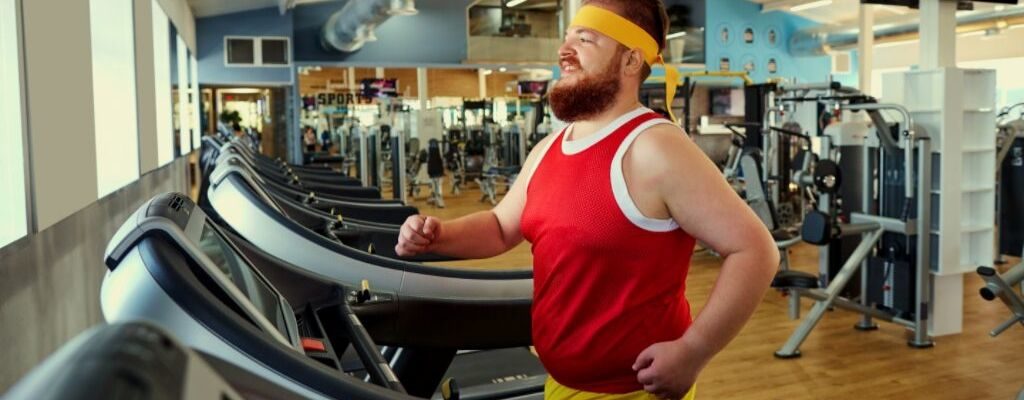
[138, 360]
[171, 265]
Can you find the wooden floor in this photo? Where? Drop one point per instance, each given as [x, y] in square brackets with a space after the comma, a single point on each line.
[838, 362]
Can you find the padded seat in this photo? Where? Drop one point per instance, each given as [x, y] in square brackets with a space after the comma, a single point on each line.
[795, 280]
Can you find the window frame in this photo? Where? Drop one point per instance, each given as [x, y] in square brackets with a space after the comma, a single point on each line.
[257, 44]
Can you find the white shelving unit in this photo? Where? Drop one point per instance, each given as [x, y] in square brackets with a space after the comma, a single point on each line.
[956, 107]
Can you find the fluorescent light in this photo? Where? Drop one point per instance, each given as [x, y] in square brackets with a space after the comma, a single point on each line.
[676, 35]
[514, 3]
[502, 69]
[813, 4]
[1012, 27]
[972, 33]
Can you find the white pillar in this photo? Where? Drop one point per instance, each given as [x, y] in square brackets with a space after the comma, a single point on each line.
[482, 82]
[421, 88]
[866, 47]
[938, 50]
[352, 86]
[938, 34]
[421, 94]
[379, 73]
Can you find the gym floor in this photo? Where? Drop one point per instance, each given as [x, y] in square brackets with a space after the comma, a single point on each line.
[838, 362]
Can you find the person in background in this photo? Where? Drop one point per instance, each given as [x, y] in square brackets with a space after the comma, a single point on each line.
[309, 139]
[326, 143]
[241, 136]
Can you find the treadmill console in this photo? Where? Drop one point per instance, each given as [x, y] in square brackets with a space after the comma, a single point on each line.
[172, 206]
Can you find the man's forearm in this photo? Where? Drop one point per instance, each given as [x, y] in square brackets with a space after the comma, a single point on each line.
[741, 285]
[477, 235]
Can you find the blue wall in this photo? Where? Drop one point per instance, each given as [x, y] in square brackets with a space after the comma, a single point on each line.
[737, 16]
[437, 35]
[210, 33]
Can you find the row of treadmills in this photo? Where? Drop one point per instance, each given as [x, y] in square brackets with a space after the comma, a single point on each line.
[283, 283]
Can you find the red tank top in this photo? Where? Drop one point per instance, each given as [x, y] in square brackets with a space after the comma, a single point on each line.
[605, 288]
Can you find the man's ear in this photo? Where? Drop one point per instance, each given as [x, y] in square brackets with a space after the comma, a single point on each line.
[634, 62]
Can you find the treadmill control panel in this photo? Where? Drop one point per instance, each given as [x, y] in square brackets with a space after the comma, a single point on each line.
[173, 206]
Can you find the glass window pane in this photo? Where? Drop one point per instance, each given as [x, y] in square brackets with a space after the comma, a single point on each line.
[162, 85]
[275, 51]
[114, 107]
[241, 51]
[13, 215]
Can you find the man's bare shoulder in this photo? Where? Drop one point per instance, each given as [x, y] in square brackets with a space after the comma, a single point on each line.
[661, 144]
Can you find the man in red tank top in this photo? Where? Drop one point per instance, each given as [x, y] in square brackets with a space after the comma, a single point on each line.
[612, 206]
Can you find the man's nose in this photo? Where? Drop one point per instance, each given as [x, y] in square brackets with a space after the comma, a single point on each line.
[565, 50]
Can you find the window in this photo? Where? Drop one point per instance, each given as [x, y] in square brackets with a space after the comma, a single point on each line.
[184, 119]
[196, 101]
[13, 206]
[113, 80]
[274, 51]
[162, 85]
[257, 51]
[241, 51]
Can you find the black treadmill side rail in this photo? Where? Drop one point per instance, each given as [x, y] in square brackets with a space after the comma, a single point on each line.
[384, 262]
[129, 360]
[175, 275]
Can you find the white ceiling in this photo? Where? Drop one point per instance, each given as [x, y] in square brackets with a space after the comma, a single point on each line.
[845, 12]
[208, 8]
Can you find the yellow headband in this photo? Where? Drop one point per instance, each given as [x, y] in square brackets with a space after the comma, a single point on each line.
[632, 36]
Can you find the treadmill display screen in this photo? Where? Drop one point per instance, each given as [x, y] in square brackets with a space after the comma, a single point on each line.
[244, 277]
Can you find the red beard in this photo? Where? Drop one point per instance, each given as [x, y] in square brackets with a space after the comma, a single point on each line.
[588, 97]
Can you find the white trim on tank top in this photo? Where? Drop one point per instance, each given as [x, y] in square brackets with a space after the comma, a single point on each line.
[570, 147]
[621, 191]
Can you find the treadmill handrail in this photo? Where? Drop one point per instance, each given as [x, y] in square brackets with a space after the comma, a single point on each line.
[384, 262]
[147, 226]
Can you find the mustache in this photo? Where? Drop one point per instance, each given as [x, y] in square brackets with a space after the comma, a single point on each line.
[569, 61]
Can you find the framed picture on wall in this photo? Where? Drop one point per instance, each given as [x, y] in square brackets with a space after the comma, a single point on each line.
[773, 66]
[772, 36]
[723, 64]
[724, 35]
[748, 63]
[748, 35]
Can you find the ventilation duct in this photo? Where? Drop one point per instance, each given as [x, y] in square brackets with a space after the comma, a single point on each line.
[814, 42]
[353, 25]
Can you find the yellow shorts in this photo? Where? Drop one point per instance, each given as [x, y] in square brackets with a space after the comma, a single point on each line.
[555, 391]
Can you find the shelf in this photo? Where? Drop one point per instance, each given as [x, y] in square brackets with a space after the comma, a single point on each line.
[967, 229]
[976, 228]
[979, 149]
[963, 269]
[969, 189]
[978, 189]
[979, 110]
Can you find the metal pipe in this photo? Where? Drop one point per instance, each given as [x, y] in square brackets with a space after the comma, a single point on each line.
[922, 281]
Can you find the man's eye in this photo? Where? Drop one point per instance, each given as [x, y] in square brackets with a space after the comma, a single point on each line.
[585, 40]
